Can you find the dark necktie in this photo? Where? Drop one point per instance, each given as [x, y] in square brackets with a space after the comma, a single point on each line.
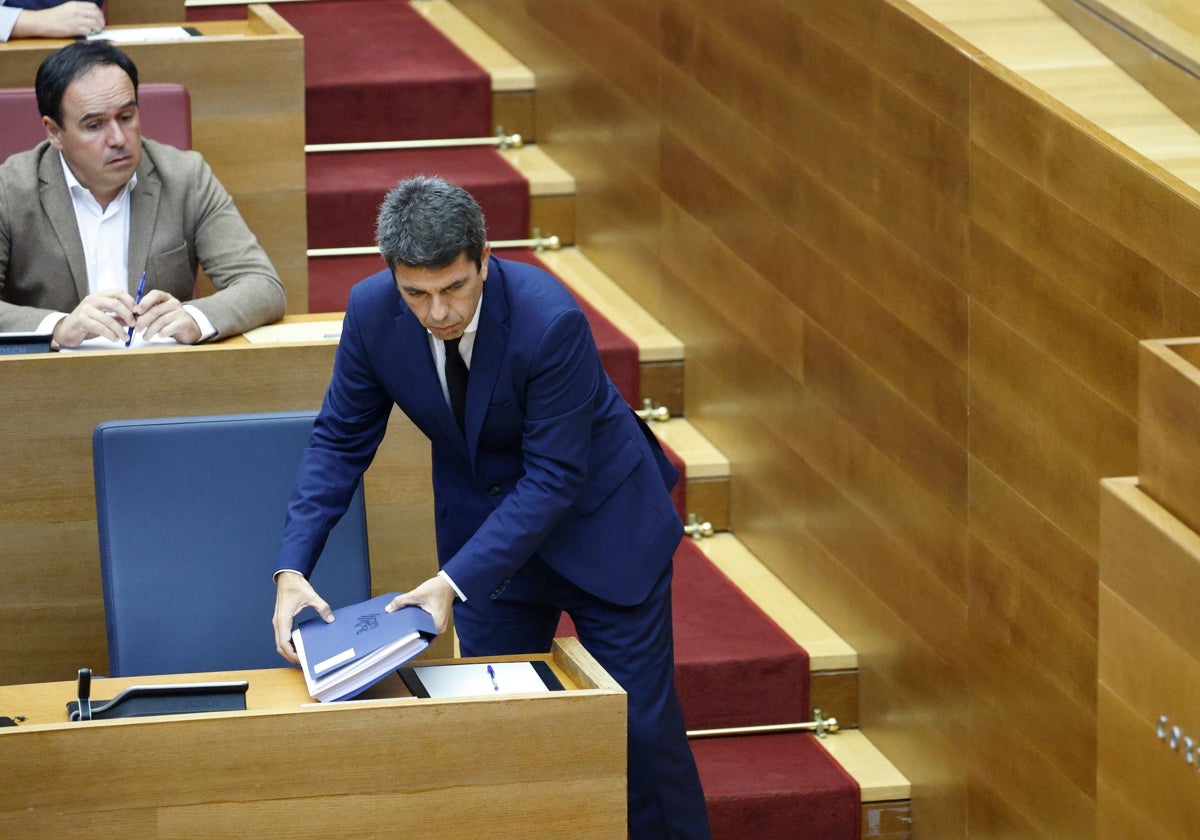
[456, 380]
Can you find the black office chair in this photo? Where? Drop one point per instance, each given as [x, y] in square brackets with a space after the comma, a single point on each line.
[190, 513]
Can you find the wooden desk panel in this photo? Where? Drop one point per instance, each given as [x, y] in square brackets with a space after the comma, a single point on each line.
[49, 551]
[246, 82]
[516, 766]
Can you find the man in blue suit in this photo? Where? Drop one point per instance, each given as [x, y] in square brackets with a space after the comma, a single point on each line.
[549, 495]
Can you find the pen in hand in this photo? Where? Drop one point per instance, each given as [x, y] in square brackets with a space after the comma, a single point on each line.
[492, 674]
[136, 301]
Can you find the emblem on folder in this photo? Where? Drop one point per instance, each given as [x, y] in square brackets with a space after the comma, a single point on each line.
[366, 623]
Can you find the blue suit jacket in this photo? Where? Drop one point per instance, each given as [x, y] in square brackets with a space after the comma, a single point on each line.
[553, 461]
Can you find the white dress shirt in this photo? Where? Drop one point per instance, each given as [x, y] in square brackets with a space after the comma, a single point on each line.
[466, 347]
[104, 232]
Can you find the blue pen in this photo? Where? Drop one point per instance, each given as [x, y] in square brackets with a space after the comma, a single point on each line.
[492, 674]
[136, 301]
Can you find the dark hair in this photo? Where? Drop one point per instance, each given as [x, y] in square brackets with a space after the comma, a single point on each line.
[426, 222]
[66, 65]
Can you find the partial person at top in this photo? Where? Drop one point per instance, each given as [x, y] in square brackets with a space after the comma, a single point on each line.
[92, 207]
[49, 18]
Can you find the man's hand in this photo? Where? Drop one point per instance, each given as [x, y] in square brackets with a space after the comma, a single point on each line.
[64, 21]
[292, 594]
[161, 313]
[435, 596]
[106, 314]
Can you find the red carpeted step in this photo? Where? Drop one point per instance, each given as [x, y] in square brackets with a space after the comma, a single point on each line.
[733, 665]
[346, 188]
[330, 279]
[772, 787]
[378, 70]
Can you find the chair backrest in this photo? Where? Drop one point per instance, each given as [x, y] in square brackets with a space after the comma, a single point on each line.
[190, 513]
[165, 109]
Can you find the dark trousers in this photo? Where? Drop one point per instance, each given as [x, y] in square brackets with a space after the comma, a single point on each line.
[635, 646]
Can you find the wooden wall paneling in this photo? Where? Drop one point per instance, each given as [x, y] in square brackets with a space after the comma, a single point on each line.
[813, 134]
[1042, 431]
[781, 225]
[1057, 239]
[1181, 309]
[904, 45]
[1168, 446]
[1136, 775]
[898, 353]
[1032, 661]
[1054, 319]
[1148, 666]
[1014, 776]
[1131, 199]
[737, 52]
[883, 416]
[923, 518]
[1015, 532]
[1150, 560]
[127, 12]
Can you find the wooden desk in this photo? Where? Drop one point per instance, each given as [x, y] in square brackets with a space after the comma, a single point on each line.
[50, 590]
[512, 766]
[246, 82]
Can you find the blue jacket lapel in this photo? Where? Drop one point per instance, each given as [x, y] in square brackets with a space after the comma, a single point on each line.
[487, 354]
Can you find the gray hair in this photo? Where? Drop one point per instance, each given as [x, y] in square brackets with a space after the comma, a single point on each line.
[426, 222]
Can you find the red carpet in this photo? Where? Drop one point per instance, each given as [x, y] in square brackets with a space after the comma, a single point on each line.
[733, 665]
[346, 188]
[330, 279]
[776, 786]
[377, 70]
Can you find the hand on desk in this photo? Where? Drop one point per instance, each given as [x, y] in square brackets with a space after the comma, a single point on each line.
[435, 596]
[292, 594]
[106, 314]
[109, 314]
[67, 20]
[162, 314]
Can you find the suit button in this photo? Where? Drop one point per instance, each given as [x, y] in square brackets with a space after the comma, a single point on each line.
[494, 490]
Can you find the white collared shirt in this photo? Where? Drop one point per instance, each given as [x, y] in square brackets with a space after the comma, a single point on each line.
[104, 232]
[466, 348]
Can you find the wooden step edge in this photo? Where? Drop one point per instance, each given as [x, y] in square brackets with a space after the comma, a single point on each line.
[827, 650]
[655, 342]
[508, 74]
[703, 460]
[546, 178]
[878, 779]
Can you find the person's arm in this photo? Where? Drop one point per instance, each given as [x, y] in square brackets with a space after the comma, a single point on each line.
[67, 20]
[346, 435]
[248, 292]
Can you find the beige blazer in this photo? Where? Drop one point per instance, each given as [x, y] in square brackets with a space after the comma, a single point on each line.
[180, 218]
